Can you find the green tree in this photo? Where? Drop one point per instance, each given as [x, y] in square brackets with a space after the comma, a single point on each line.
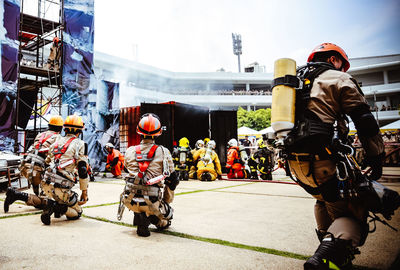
[257, 120]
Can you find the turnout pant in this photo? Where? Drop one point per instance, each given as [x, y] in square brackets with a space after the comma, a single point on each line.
[345, 218]
[64, 196]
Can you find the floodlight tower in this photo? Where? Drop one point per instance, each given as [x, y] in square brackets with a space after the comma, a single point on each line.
[237, 46]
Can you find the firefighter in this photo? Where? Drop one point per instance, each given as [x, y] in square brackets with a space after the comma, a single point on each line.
[332, 94]
[207, 163]
[193, 169]
[33, 166]
[115, 161]
[262, 161]
[183, 159]
[53, 61]
[67, 162]
[235, 164]
[151, 181]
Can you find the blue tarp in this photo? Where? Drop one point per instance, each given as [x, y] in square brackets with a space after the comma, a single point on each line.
[9, 28]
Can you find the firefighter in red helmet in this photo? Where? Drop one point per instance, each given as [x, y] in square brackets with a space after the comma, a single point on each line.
[151, 169]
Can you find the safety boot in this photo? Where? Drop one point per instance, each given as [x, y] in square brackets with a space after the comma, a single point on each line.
[35, 189]
[206, 176]
[60, 209]
[48, 210]
[13, 195]
[142, 222]
[254, 175]
[332, 253]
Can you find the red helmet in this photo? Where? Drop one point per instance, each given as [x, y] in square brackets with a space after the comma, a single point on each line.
[56, 40]
[149, 125]
[326, 47]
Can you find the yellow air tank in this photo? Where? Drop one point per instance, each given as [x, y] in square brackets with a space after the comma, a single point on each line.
[283, 99]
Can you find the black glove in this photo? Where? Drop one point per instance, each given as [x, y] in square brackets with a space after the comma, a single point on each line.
[376, 163]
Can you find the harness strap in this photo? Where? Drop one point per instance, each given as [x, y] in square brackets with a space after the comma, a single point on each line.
[43, 139]
[144, 163]
[57, 152]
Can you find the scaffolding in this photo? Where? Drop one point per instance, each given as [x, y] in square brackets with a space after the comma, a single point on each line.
[36, 77]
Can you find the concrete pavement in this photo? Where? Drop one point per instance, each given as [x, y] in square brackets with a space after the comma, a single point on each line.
[218, 225]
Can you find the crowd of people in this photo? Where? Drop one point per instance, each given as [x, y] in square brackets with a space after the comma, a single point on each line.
[391, 140]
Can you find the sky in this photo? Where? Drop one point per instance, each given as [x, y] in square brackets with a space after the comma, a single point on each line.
[196, 36]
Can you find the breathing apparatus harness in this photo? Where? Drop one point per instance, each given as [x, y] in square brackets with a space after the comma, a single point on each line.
[141, 185]
[349, 182]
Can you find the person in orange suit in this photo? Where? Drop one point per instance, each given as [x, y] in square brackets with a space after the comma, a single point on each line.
[115, 161]
[234, 164]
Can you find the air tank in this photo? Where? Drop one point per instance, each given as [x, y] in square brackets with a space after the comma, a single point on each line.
[283, 100]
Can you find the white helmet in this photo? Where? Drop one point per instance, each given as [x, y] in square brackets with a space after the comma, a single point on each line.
[211, 144]
[109, 145]
[199, 144]
[233, 142]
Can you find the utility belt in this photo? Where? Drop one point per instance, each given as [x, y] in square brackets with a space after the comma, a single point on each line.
[58, 180]
[141, 189]
[36, 160]
[307, 128]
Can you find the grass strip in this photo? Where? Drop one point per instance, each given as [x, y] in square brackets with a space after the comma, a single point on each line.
[264, 194]
[211, 240]
[21, 215]
[223, 242]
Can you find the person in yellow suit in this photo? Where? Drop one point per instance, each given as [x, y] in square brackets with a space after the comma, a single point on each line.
[208, 164]
[193, 169]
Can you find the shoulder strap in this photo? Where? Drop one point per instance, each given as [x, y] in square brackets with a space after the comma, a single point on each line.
[43, 139]
[57, 152]
[144, 162]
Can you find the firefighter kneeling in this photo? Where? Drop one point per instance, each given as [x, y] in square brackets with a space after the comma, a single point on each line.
[115, 160]
[208, 164]
[66, 156]
[237, 159]
[148, 165]
[261, 161]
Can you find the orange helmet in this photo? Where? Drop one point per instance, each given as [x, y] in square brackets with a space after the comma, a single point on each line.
[56, 40]
[56, 120]
[74, 123]
[326, 47]
[149, 125]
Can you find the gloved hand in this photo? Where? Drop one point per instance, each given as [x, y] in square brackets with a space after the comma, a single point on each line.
[376, 164]
[84, 197]
[219, 177]
[108, 168]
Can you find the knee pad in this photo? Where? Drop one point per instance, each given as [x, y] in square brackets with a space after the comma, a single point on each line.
[82, 169]
[166, 210]
[73, 199]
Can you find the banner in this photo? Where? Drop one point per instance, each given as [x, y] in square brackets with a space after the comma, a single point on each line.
[9, 28]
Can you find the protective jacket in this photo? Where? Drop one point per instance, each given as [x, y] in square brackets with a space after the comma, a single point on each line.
[234, 164]
[115, 160]
[142, 197]
[33, 166]
[262, 161]
[333, 95]
[67, 162]
[213, 166]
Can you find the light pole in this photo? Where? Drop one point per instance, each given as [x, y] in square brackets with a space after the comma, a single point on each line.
[237, 46]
